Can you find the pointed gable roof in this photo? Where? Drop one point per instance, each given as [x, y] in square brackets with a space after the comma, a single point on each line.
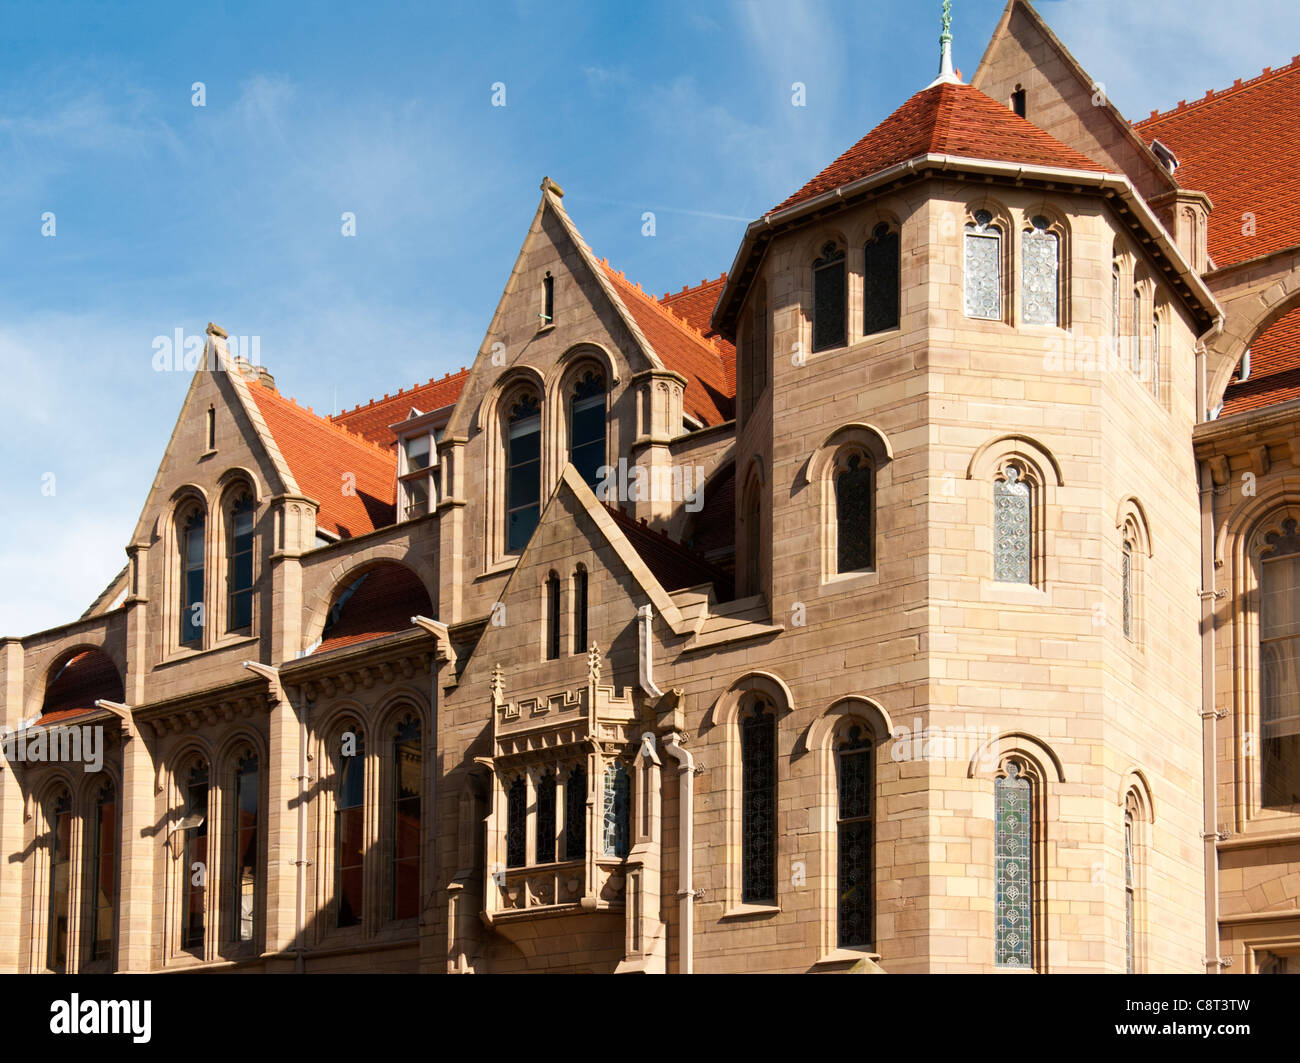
[1241, 147]
[945, 119]
[373, 419]
[695, 307]
[321, 454]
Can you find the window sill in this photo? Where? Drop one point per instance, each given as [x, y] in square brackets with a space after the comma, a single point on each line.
[845, 580]
[745, 911]
[842, 955]
[497, 567]
[548, 327]
[1009, 593]
[186, 653]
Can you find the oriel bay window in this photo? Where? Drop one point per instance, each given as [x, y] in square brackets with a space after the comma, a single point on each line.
[523, 472]
[587, 427]
[517, 822]
[243, 827]
[408, 768]
[575, 812]
[60, 882]
[616, 809]
[547, 787]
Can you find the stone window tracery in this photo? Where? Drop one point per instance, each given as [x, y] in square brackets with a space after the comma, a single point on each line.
[983, 267]
[1040, 279]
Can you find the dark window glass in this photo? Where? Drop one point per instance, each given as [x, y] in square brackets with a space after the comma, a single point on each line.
[548, 300]
[192, 579]
[546, 788]
[516, 822]
[830, 300]
[523, 472]
[103, 875]
[195, 893]
[1018, 102]
[853, 515]
[575, 813]
[241, 565]
[349, 831]
[1013, 869]
[587, 427]
[616, 810]
[60, 882]
[552, 617]
[1279, 666]
[408, 766]
[854, 828]
[244, 884]
[756, 352]
[758, 804]
[580, 610]
[880, 281]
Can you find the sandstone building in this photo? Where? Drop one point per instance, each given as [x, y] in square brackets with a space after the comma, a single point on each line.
[921, 595]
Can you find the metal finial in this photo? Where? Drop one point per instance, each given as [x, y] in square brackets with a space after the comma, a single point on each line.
[946, 73]
[946, 35]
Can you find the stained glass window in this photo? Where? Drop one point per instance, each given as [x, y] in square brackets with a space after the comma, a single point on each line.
[880, 281]
[983, 272]
[60, 882]
[617, 809]
[853, 887]
[1041, 261]
[244, 830]
[523, 472]
[103, 874]
[1013, 870]
[853, 515]
[408, 767]
[349, 832]
[545, 843]
[552, 617]
[1126, 576]
[192, 579]
[516, 822]
[1279, 650]
[1012, 519]
[758, 804]
[240, 575]
[195, 871]
[1128, 891]
[580, 610]
[587, 427]
[575, 813]
[830, 300]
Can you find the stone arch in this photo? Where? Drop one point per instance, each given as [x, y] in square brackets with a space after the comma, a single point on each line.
[1017, 445]
[1248, 312]
[859, 706]
[1021, 745]
[79, 676]
[317, 605]
[1134, 781]
[1132, 512]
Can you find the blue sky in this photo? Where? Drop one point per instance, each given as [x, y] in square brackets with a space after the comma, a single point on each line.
[168, 216]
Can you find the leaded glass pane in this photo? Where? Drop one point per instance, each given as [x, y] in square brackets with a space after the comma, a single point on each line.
[1012, 845]
[545, 843]
[587, 427]
[853, 528]
[1127, 577]
[758, 804]
[516, 820]
[830, 300]
[853, 887]
[880, 281]
[1040, 252]
[575, 813]
[523, 472]
[1012, 542]
[983, 269]
[192, 539]
[616, 810]
[1128, 891]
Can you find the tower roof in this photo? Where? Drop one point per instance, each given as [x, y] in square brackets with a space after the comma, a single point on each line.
[947, 118]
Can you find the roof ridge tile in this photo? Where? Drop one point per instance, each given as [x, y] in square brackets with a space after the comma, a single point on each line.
[1214, 95]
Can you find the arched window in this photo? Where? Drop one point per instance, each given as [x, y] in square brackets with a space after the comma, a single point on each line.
[575, 813]
[1013, 869]
[408, 768]
[191, 598]
[194, 916]
[349, 828]
[1040, 252]
[1115, 310]
[580, 609]
[523, 472]
[552, 617]
[60, 849]
[853, 836]
[1126, 583]
[1279, 654]
[758, 803]
[587, 426]
[1129, 892]
[1155, 355]
[548, 300]
[983, 267]
[880, 281]
[546, 822]
[103, 874]
[616, 810]
[756, 354]
[243, 829]
[240, 567]
[1012, 527]
[854, 517]
[1135, 353]
[830, 299]
[517, 822]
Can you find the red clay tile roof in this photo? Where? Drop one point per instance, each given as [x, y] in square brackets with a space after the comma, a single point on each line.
[382, 603]
[1274, 368]
[714, 526]
[683, 349]
[81, 682]
[372, 419]
[947, 119]
[671, 563]
[695, 307]
[1241, 147]
[321, 454]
